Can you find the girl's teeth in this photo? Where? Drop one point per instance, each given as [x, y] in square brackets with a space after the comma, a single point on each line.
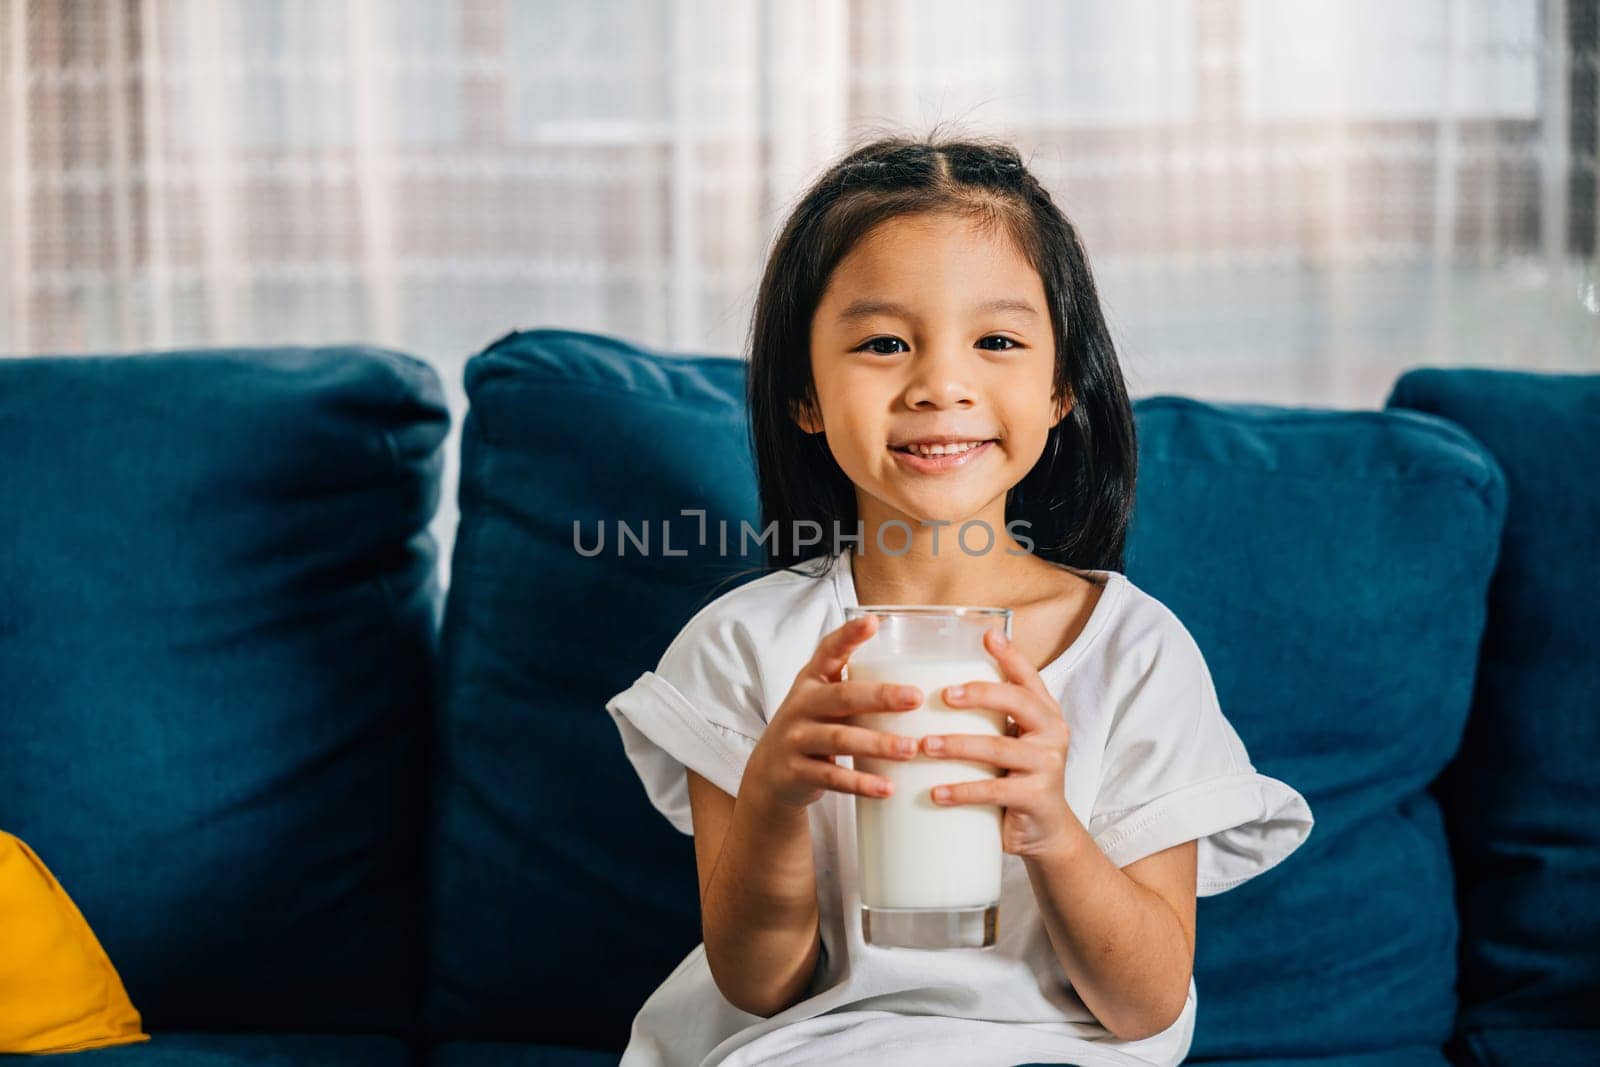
[944, 450]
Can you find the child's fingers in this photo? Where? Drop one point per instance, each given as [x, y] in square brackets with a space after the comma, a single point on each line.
[842, 699]
[826, 774]
[1020, 703]
[833, 651]
[1000, 791]
[1009, 753]
[838, 739]
[1014, 665]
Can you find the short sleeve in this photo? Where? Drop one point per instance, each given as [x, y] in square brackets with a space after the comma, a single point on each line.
[1174, 770]
[699, 709]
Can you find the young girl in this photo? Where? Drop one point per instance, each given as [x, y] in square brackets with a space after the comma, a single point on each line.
[929, 362]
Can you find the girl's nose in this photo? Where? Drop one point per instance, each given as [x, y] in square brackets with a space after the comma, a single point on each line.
[939, 379]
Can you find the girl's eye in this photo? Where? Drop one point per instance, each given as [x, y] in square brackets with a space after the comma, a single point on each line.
[873, 344]
[877, 341]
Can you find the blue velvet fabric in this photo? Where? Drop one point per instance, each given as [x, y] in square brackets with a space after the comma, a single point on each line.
[215, 648]
[1420, 1056]
[1333, 567]
[561, 899]
[1522, 801]
[1510, 1046]
[249, 1050]
[515, 1054]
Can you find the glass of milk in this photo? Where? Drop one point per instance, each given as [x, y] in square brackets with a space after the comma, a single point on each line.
[929, 873]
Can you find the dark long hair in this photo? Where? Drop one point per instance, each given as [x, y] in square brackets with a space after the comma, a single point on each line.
[1077, 500]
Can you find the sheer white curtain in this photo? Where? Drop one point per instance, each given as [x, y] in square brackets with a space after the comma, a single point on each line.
[1284, 201]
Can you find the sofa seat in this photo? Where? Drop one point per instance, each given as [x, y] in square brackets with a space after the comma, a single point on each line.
[517, 1054]
[1415, 1056]
[1512, 1046]
[197, 1049]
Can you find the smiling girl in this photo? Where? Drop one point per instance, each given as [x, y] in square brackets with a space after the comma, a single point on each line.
[932, 385]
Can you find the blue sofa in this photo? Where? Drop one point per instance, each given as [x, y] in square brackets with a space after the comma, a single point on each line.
[321, 811]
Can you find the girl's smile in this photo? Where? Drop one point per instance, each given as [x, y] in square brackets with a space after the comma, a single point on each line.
[937, 456]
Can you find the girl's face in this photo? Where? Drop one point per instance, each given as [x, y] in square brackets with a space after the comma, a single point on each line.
[934, 331]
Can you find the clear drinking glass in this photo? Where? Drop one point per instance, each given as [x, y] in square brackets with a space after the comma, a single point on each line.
[929, 873]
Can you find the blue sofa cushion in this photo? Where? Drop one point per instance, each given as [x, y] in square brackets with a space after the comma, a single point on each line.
[1333, 567]
[1509, 1046]
[1421, 1056]
[1522, 801]
[561, 898]
[512, 1054]
[253, 1050]
[215, 640]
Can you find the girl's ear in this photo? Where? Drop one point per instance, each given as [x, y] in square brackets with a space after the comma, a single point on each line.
[804, 417]
[1062, 407]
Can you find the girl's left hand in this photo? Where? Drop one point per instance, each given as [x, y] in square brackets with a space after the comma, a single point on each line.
[1031, 789]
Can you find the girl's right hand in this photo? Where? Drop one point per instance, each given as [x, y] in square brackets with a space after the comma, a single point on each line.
[793, 763]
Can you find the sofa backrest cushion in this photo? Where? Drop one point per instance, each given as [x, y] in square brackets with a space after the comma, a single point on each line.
[1333, 566]
[215, 643]
[560, 897]
[1522, 800]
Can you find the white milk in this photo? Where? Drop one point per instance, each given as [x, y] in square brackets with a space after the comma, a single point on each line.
[913, 852]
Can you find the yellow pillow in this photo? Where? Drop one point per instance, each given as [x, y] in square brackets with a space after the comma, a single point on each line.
[58, 990]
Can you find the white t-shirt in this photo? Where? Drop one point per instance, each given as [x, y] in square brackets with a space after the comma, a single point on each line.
[1151, 763]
